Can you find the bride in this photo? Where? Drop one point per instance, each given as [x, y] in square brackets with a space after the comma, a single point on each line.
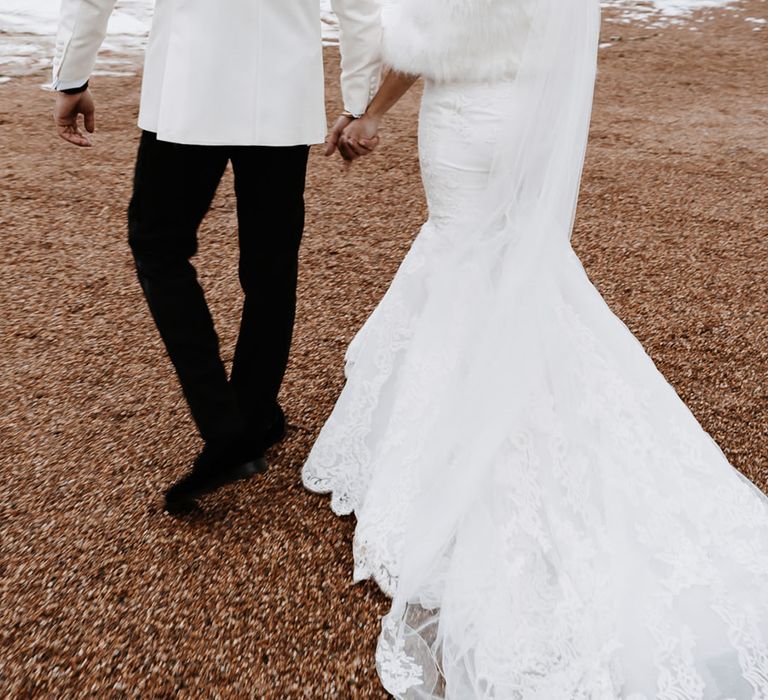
[548, 517]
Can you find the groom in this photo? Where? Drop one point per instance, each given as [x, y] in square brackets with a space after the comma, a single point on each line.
[238, 83]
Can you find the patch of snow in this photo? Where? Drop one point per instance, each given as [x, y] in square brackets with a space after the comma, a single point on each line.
[28, 28]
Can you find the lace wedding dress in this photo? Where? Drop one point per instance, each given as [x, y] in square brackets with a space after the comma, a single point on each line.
[550, 519]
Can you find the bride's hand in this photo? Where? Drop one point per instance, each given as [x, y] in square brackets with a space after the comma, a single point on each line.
[360, 138]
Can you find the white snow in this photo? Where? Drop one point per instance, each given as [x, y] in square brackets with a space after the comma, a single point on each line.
[28, 34]
[661, 13]
[28, 29]
[130, 18]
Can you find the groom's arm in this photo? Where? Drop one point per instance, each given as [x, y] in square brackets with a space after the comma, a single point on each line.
[82, 28]
[360, 44]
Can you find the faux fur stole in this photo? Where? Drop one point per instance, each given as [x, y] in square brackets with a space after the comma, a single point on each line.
[456, 40]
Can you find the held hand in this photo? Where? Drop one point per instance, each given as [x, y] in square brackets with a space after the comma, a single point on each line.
[65, 115]
[360, 138]
[332, 142]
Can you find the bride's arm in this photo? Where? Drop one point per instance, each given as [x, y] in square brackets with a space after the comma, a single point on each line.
[394, 86]
[361, 136]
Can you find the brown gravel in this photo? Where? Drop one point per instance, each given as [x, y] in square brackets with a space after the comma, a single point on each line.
[101, 594]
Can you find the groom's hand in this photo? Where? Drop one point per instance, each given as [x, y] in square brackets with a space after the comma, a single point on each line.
[66, 112]
[332, 142]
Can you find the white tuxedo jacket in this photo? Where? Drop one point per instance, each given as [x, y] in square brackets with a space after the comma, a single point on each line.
[232, 72]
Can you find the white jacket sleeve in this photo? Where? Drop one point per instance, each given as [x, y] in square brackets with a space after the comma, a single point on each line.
[360, 42]
[82, 28]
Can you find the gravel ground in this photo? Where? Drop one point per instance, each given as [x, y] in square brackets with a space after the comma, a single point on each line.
[104, 595]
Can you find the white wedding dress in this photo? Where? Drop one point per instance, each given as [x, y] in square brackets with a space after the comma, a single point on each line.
[550, 519]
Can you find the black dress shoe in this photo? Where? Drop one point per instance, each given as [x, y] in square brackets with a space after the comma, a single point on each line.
[206, 477]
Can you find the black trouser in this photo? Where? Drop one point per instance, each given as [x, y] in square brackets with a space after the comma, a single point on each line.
[173, 189]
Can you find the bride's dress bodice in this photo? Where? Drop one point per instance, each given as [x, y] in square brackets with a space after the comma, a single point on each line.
[458, 132]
